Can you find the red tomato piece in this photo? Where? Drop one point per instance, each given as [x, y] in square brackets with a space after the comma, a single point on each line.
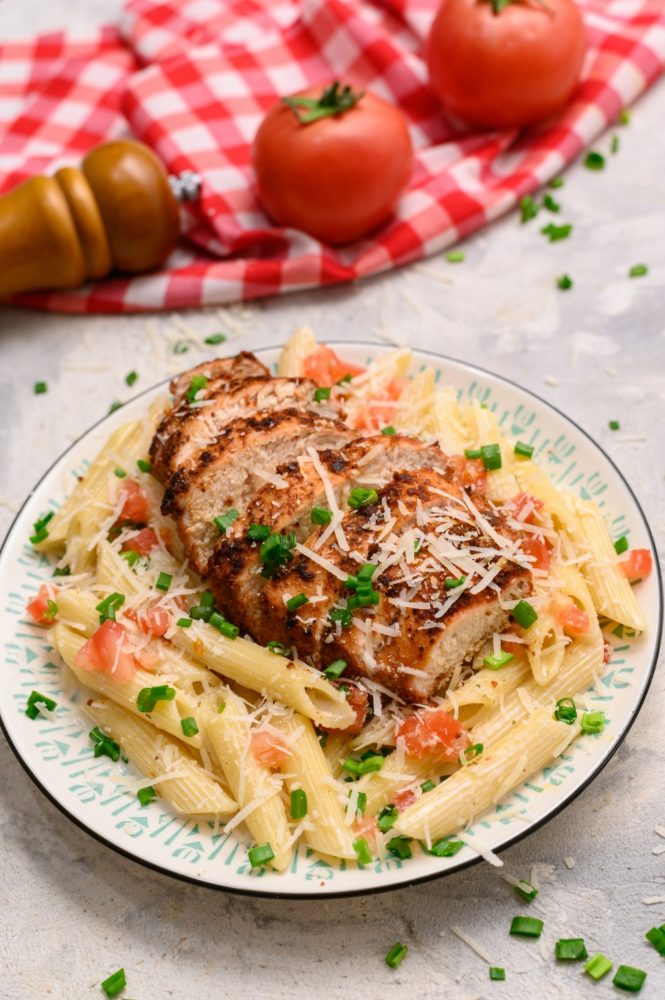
[607, 652]
[404, 799]
[537, 547]
[325, 368]
[524, 507]
[143, 542]
[154, 621]
[38, 607]
[268, 749]
[574, 621]
[358, 700]
[108, 651]
[135, 504]
[637, 566]
[433, 732]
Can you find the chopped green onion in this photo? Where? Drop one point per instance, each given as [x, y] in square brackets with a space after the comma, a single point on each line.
[115, 405]
[260, 855]
[335, 670]
[189, 727]
[387, 818]
[556, 182]
[115, 983]
[296, 602]
[104, 745]
[593, 722]
[367, 571]
[50, 611]
[570, 949]
[258, 532]
[556, 233]
[147, 698]
[342, 615]
[594, 160]
[344, 379]
[200, 613]
[363, 853]
[131, 378]
[525, 891]
[614, 144]
[614, 425]
[207, 599]
[163, 581]
[214, 339]
[108, 607]
[278, 648]
[120, 473]
[225, 628]
[224, 521]
[40, 388]
[452, 583]
[400, 847]
[396, 955]
[184, 622]
[146, 795]
[320, 515]
[373, 762]
[497, 973]
[473, 453]
[638, 271]
[180, 347]
[598, 966]
[323, 740]
[427, 786]
[35, 699]
[62, 571]
[220, 708]
[624, 116]
[621, 545]
[656, 937]
[526, 927]
[523, 449]
[143, 465]
[524, 614]
[565, 711]
[564, 282]
[322, 393]
[388, 430]
[550, 204]
[360, 497]
[131, 557]
[198, 382]
[472, 752]
[298, 803]
[40, 529]
[455, 256]
[491, 456]
[446, 847]
[498, 660]
[361, 802]
[275, 551]
[528, 208]
[630, 979]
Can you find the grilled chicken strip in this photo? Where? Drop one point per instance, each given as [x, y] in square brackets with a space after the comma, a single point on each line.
[243, 365]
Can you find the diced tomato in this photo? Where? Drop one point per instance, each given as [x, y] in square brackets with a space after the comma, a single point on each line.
[637, 566]
[143, 542]
[404, 799]
[433, 732]
[573, 621]
[38, 607]
[154, 621]
[524, 507]
[108, 651]
[537, 547]
[325, 368]
[358, 701]
[135, 504]
[377, 413]
[268, 749]
[468, 473]
[607, 652]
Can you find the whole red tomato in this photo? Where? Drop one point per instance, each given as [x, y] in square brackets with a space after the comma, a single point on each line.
[332, 162]
[502, 63]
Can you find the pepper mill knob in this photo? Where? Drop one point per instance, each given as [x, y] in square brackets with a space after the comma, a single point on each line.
[116, 212]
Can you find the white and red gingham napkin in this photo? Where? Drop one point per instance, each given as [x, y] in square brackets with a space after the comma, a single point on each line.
[193, 79]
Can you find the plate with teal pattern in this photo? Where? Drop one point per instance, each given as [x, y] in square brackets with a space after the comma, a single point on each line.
[57, 753]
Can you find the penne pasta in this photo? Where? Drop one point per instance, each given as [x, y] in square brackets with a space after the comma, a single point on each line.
[299, 345]
[547, 646]
[485, 690]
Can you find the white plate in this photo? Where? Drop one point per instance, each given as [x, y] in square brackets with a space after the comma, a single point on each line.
[58, 756]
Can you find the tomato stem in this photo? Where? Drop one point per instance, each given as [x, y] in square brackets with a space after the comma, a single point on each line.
[499, 5]
[332, 102]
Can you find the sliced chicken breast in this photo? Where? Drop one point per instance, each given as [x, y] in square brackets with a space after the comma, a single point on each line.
[243, 365]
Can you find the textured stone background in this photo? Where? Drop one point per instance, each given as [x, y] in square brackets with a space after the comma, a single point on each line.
[72, 912]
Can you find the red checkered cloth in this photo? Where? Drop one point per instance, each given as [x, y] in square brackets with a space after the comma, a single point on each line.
[193, 79]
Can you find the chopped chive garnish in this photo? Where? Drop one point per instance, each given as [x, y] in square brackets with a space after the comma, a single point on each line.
[275, 551]
[565, 711]
[214, 339]
[298, 803]
[360, 497]
[115, 983]
[220, 708]
[594, 160]
[387, 818]
[35, 699]
[108, 607]
[624, 116]
[526, 927]
[556, 182]
[550, 204]
[491, 456]
[184, 622]
[40, 388]
[528, 208]
[163, 581]
[473, 453]
[278, 648]
[120, 473]
[525, 891]
[614, 144]
[361, 803]
[207, 599]
[455, 256]
[570, 949]
[146, 795]
[198, 382]
[323, 740]
[446, 847]
[188, 726]
[225, 628]
[147, 698]
[224, 521]
[556, 233]
[524, 614]
[200, 613]
[260, 855]
[258, 532]
[630, 979]
[296, 602]
[593, 722]
[131, 557]
[323, 392]
[400, 847]
[363, 853]
[388, 430]
[497, 973]
[104, 745]
[62, 571]
[50, 611]
[614, 425]
[320, 515]
[335, 670]
[396, 955]
[452, 583]
[374, 762]
[131, 377]
[115, 405]
[342, 615]
[621, 545]
[39, 528]
[598, 966]
[656, 937]
[427, 786]
[523, 449]
[143, 465]
[564, 282]
[472, 752]
[638, 271]
[498, 660]
[180, 347]
[344, 379]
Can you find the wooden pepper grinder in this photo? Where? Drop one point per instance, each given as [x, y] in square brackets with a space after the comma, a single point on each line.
[116, 212]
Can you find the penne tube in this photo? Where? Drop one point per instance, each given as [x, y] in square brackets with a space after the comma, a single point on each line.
[501, 483]
[186, 786]
[299, 345]
[484, 690]
[547, 647]
[397, 772]
[532, 744]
